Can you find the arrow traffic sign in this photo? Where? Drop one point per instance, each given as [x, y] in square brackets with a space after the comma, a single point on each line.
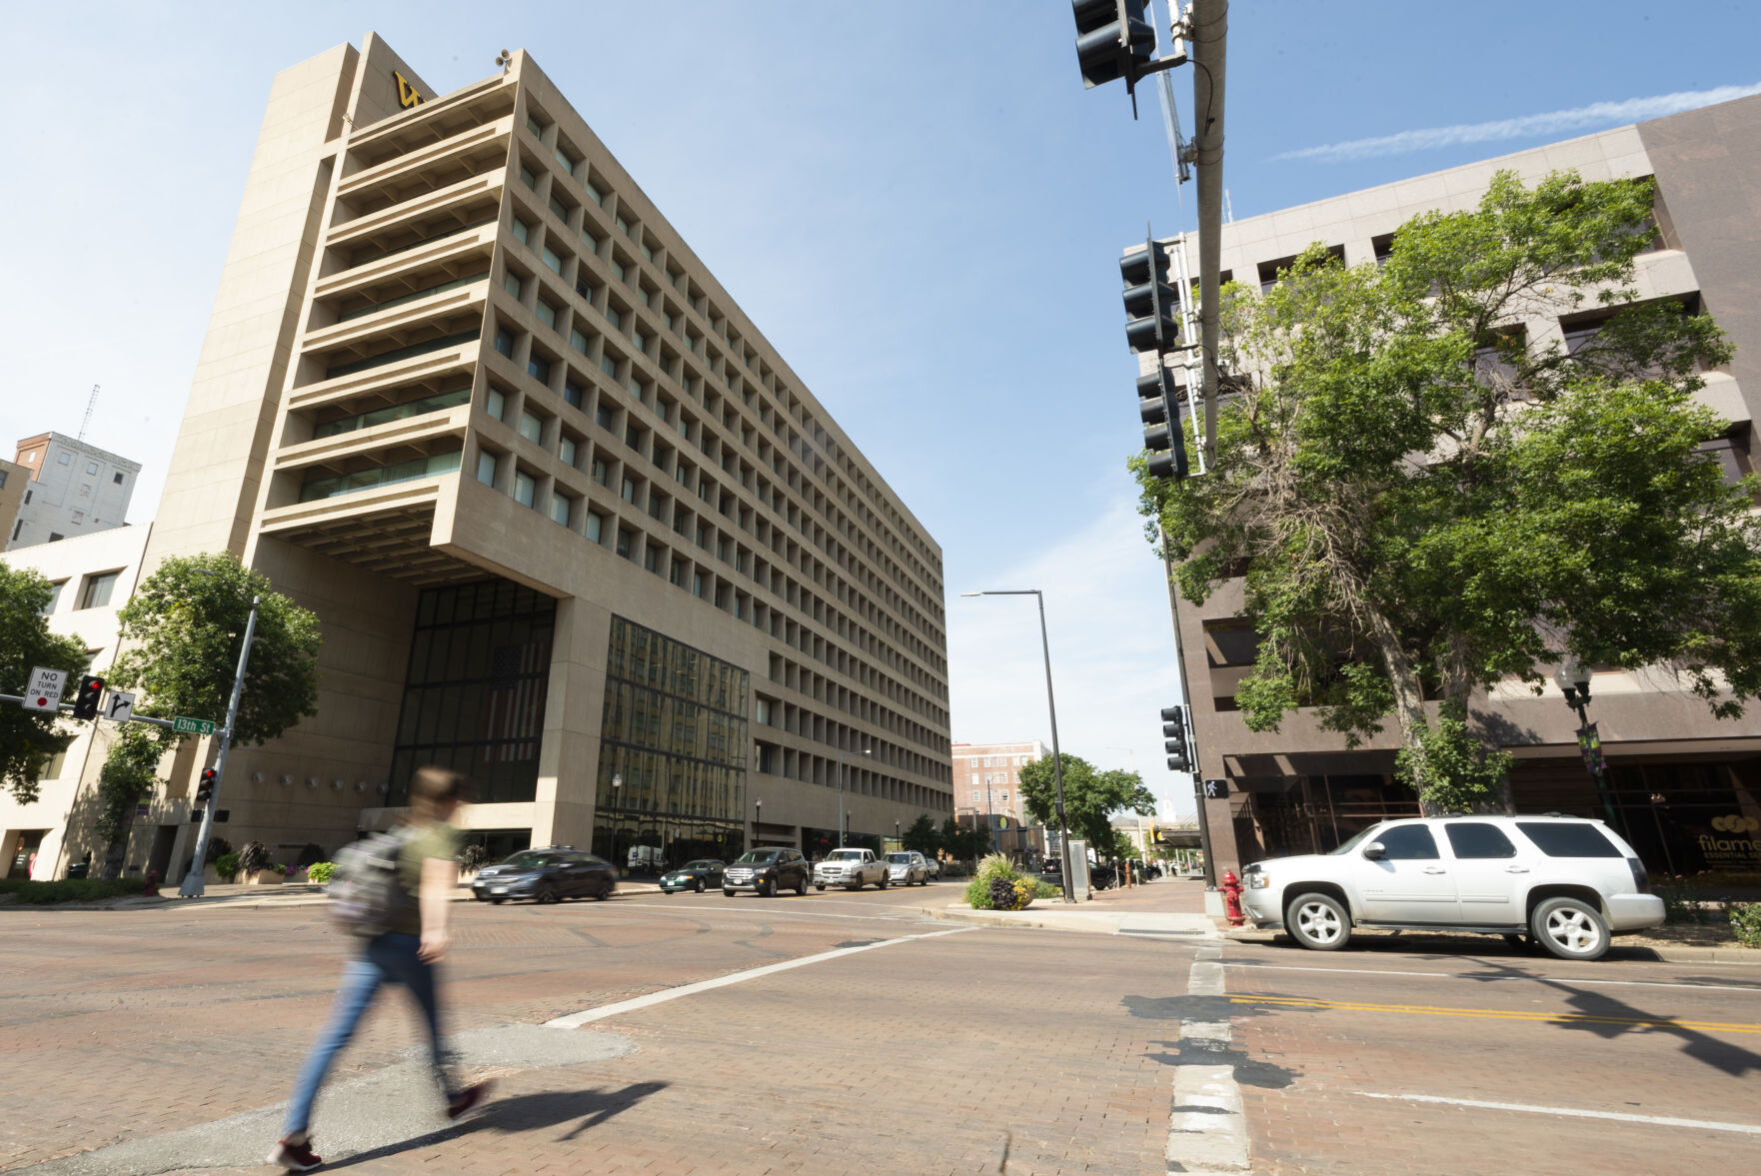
[120, 706]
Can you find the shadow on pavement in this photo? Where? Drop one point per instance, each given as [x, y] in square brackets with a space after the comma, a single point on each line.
[524, 1112]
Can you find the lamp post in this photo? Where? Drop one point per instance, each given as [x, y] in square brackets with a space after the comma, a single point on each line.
[1052, 709]
[193, 886]
[842, 821]
[1574, 681]
[757, 818]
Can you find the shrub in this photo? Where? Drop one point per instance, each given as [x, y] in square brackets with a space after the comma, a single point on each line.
[218, 847]
[1745, 922]
[996, 886]
[69, 890]
[320, 872]
[471, 857]
[253, 857]
[226, 865]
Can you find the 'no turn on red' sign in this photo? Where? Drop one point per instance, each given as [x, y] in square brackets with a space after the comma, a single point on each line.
[44, 692]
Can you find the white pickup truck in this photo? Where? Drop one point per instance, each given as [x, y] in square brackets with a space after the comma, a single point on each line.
[850, 868]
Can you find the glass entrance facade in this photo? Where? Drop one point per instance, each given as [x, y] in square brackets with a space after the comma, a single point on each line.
[475, 691]
[673, 750]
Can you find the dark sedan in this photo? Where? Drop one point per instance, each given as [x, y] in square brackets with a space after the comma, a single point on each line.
[545, 875]
[695, 875]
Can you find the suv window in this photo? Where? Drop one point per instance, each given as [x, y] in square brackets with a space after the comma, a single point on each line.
[1408, 843]
[1568, 839]
[1475, 840]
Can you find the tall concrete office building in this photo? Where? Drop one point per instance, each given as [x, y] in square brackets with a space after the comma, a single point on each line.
[571, 524]
[1686, 786]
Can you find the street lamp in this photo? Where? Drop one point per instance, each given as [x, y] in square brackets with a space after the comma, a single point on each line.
[757, 817]
[1052, 709]
[842, 820]
[193, 886]
[1574, 681]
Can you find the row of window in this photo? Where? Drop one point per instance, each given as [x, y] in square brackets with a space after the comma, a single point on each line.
[94, 592]
[719, 323]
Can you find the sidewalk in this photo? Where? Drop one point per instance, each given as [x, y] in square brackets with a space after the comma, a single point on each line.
[1170, 908]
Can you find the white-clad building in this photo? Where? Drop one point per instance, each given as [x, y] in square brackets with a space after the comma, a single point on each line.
[94, 576]
[74, 489]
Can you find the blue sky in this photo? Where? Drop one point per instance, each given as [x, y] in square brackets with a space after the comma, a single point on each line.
[916, 202]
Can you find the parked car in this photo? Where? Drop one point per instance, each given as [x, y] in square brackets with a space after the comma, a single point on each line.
[933, 866]
[693, 876]
[545, 875]
[1566, 883]
[907, 868]
[850, 867]
[767, 871]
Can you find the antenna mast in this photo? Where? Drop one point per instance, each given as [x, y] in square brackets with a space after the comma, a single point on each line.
[90, 405]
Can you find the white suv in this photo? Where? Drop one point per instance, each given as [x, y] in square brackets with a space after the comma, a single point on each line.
[1566, 882]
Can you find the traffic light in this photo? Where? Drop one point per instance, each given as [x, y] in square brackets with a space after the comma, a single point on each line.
[205, 788]
[1150, 322]
[1162, 434]
[1174, 733]
[1114, 39]
[85, 703]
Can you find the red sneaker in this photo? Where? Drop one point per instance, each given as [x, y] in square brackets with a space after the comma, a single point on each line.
[469, 1097]
[295, 1157]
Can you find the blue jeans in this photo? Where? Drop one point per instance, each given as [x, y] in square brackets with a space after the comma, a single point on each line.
[388, 959]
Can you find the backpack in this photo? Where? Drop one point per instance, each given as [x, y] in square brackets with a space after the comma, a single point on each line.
[367, 895]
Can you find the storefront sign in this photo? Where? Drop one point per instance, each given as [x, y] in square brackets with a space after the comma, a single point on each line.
[406, 93]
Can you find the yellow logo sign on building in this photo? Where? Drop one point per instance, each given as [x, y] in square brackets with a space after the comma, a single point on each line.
[407, 95]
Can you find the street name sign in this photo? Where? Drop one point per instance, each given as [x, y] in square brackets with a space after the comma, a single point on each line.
[44, 692]
[184, 726]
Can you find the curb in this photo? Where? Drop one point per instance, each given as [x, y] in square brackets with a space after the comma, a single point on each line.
[1666, 954]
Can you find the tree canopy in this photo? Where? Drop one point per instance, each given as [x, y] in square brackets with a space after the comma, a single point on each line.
[1424, 503]
[182, 631]
[28, 740]
[1091, 798]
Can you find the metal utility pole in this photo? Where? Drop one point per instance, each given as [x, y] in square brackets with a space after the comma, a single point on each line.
[192, 884]
[1207, 28]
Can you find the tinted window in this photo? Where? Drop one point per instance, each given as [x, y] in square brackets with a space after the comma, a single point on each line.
[1407, 843]
[1568, 839]
[1479, 841]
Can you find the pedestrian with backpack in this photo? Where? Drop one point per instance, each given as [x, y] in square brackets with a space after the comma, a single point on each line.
[393, 891]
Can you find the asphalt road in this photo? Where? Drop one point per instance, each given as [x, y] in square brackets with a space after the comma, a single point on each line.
[848, 1032]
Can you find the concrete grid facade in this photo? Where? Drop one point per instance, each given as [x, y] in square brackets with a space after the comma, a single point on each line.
[1674, 769]
[468, 396]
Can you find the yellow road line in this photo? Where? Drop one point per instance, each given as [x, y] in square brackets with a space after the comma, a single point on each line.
[1349, 1006]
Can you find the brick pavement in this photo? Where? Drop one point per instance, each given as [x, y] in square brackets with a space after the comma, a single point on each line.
[923, 1057]
[1306, 1115]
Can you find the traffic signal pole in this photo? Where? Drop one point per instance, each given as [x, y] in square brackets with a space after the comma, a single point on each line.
[192, 883]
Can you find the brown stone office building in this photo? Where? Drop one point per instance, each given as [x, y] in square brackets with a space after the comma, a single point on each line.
[571, 524]
[1687, 787]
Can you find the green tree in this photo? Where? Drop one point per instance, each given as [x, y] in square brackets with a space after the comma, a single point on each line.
[28, 740]
[963, 844]
[128, 776]
[182, 630]
[1424, 503]
[1091, 798]
[920, 835]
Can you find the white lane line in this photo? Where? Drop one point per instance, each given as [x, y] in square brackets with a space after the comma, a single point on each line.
[1246, 967]
[779, 912]
[576, 1020]
[1570, 1112]
[1207, 1129]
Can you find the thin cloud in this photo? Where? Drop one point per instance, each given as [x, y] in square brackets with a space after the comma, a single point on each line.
[1528, 126]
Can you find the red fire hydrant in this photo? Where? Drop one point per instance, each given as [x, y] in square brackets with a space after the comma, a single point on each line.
[1231, 899]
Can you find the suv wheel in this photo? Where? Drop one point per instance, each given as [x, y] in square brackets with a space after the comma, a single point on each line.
[1318, 922]
[1570, 928]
